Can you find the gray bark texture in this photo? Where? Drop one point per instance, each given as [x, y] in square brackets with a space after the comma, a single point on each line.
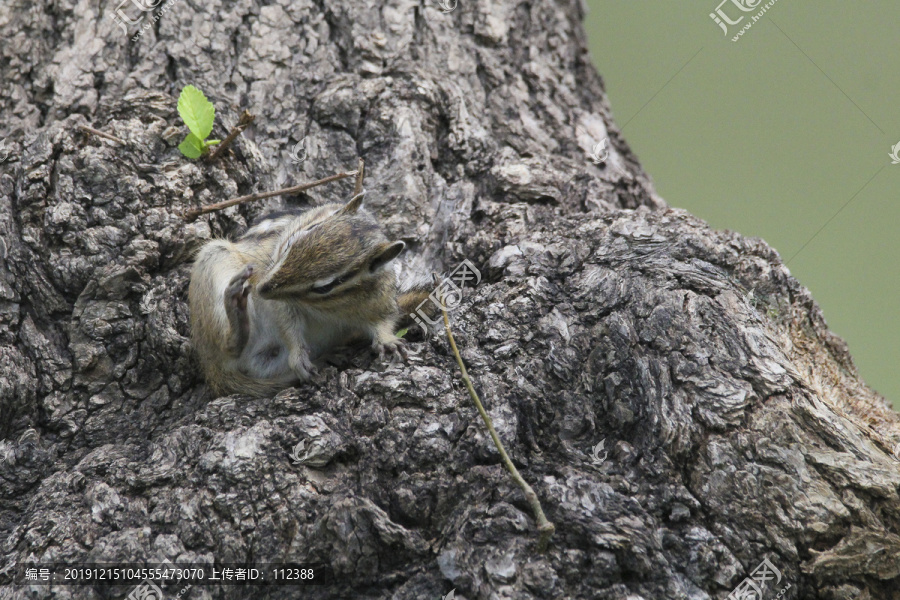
[734, 425]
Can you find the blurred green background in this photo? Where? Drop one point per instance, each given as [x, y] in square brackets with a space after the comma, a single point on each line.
[784, 134]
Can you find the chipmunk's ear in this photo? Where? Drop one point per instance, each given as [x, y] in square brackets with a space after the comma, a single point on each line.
[386, 253]
[353, 206]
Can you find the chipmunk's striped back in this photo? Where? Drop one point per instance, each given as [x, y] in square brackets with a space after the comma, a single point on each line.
[295, 285]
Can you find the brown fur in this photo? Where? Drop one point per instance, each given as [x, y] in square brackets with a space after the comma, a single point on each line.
[408, 303]
[318, 278]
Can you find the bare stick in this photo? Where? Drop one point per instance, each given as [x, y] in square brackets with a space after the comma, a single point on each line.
[99, 133]
[360, 173]
[243, 123]
[545, 527]
[192, 214]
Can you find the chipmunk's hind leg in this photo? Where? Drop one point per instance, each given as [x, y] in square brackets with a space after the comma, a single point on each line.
[236, 309]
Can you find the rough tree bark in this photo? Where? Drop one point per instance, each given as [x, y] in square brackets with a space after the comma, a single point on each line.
[737, 427]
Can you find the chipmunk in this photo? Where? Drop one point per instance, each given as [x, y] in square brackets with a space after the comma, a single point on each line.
[292, 287]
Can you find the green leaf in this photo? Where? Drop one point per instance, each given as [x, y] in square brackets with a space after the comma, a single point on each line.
[197, 112]
[192, 146]
[213, 142]
[402, 332]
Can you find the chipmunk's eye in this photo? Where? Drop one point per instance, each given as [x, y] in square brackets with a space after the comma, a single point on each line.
[324, 289]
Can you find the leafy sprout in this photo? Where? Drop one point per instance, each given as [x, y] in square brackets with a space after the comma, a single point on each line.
[198, 114]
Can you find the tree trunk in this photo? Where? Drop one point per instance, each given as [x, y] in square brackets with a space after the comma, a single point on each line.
[734, 426]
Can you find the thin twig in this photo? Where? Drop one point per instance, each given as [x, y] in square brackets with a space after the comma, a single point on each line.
[360, 173]
[192, 214]
[545, 527]
[99, 133]
[242, 124]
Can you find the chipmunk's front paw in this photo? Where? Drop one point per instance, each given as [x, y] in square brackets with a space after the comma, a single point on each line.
[238, 289]
[301, 365]
[392, 346]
